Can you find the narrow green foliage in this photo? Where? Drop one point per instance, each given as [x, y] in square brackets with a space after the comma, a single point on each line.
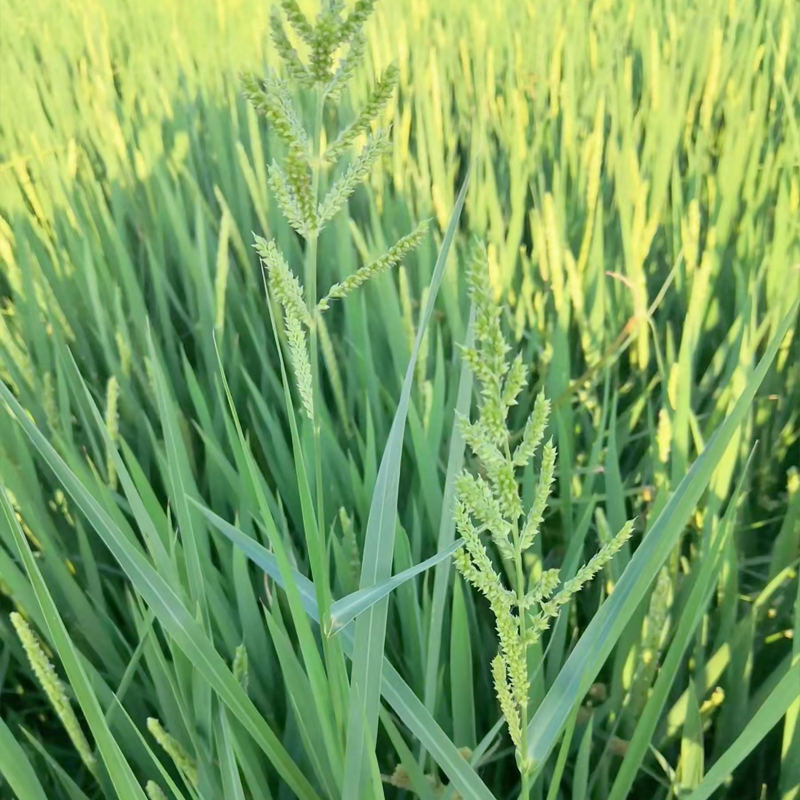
[521, 616]
[621, 163]
[173, 748]
[54, 689]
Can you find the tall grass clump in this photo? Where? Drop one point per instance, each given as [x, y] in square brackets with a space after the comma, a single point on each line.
[251, 410]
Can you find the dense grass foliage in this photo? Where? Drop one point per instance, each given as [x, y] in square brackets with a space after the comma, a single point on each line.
[635, 175]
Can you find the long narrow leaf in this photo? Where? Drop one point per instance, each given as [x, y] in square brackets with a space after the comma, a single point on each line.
[348, 608]
[187, 634]
[765, 719]
[370, 633]
[395, 690]
[610, 621]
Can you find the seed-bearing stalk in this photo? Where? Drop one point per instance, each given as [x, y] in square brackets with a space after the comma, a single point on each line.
[296, 185]
[311, 301]
[493, 505]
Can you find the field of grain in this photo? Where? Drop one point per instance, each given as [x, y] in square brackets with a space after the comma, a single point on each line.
[197, 547]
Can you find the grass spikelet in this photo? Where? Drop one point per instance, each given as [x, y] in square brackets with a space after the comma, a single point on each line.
[379, 97]
[271, 98]
[284, 284]
[712, 81]
[327, 37]
[173, 748]
[54, 689]
[154, 791]
[346, 69]
[388, 260]
[353, 177]
[295, 68]
[287, 291]
[534, 431]
[405, 305]
[297, 19]
[112, 427]
[536, 514]
[222, 271]
[594, 173]
[49, 401]
[691, 236]
[286, 198]
[299, 180]
[652, 636]
[356, 19]
[351, 549]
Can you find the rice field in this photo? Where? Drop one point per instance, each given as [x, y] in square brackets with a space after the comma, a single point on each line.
[225, 578]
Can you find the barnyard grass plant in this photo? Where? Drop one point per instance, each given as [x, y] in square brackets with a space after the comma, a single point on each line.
[336, 49]
[489, 502]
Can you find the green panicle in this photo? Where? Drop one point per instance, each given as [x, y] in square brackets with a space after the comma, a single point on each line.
[376, 102]
[173, 748]
[508, 706]
[154, 791]
[54, 689]
[297, 19]
[387, 261]
[295, 68]
[493, 505]
[353, 176]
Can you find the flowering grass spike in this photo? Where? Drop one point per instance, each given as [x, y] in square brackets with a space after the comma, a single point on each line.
[491, 503]
[336, 46]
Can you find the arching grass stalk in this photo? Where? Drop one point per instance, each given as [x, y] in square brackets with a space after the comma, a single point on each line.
[335, 45]
[491, 503]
